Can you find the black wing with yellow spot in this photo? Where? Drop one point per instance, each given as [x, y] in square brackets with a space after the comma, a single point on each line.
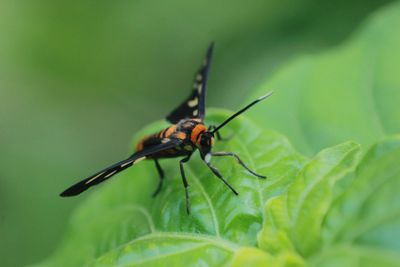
[108, 172]
[194, 105]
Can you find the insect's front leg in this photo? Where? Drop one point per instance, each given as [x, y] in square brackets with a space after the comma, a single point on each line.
[161, 174]
[216, 172]
[221, 154]
[184, 180]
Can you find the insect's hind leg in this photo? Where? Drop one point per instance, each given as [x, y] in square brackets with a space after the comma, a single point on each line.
[221, 154]
[161, 174]
[185, 183]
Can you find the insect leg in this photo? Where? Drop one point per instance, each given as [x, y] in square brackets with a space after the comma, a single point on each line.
[161, 174]
[216, 172]
[221, 154]
[219, 137]
[185, 183]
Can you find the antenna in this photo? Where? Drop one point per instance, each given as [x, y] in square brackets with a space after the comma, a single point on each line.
[241, 111]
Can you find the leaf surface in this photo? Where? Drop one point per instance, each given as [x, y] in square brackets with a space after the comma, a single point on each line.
[333, 210]
[350, 92]
[121, 224]
[354, 221]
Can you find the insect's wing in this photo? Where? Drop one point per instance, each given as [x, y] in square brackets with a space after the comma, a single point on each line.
[107, 173]
[194, 105]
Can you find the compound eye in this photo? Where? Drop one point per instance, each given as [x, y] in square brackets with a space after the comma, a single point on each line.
[205, 141]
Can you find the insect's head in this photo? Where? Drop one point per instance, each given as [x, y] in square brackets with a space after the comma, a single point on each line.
[205, 142]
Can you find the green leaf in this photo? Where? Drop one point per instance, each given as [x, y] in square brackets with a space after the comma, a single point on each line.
[294, 218]
[328, 211]
[256, 257]
[319, 213]
[170, 249]
[330, 222]
[348, 93]
[363, 225]
[120, 224]
[175, 249]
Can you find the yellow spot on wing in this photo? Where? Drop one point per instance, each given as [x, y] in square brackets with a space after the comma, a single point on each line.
[111, 173]
[94, 178]
[165, 140]
[139, 159]
[126, 163]
[193, 103]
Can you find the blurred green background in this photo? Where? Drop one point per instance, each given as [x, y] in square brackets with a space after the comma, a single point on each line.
[78, 78]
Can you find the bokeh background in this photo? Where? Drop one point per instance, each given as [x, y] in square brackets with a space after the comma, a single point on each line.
[78, 78]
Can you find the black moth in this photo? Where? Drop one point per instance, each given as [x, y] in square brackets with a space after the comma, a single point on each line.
[186, 134]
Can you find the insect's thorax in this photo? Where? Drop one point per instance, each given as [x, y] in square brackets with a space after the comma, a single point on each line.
[189, 130]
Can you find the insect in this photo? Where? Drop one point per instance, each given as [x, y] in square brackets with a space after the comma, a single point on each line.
[186, 134]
